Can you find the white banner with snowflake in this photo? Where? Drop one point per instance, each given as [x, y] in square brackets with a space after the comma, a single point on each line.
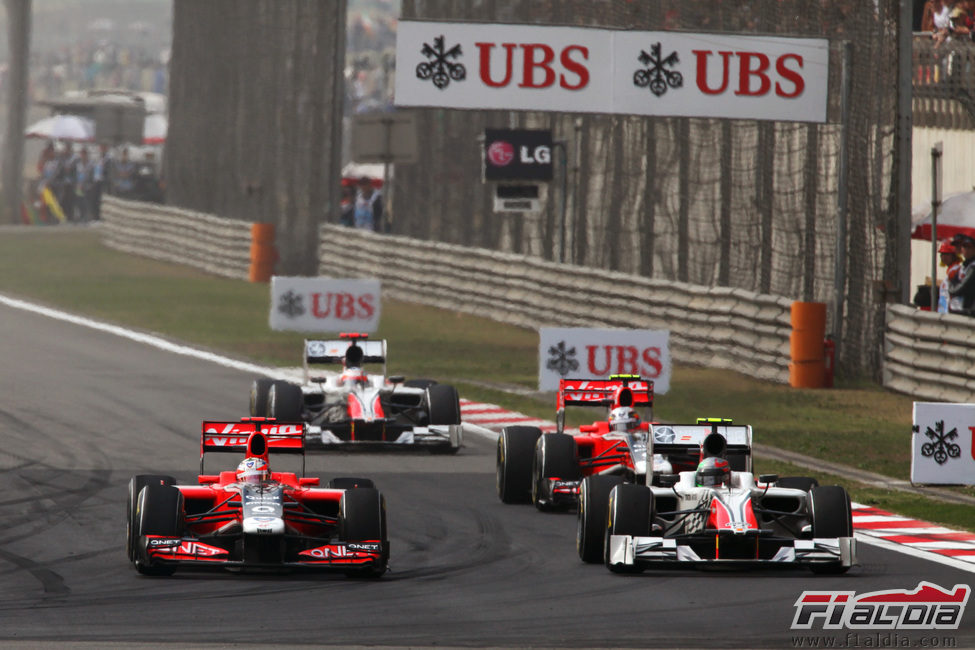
[579, 69]
[942, 449]
[301, 304]
[584, 353]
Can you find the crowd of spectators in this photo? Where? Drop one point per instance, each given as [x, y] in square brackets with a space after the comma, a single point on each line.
[948, 20]
[101, 64]
[956, 292]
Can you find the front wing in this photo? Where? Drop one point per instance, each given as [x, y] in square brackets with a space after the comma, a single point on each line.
[333, 555]
[625, 550]
[353, 434]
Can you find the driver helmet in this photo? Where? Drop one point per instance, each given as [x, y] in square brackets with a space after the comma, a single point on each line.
[712, 472]
[623, 419]
[253, 470]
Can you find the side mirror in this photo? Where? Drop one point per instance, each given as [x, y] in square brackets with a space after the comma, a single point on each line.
[768, 478]
[668, 480]
[397, 379]
[309, 481]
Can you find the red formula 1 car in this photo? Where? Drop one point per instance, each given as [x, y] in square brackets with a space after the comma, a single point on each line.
[253, 518]
[549, 468]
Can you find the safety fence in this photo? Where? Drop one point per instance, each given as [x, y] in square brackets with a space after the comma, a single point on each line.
[718, 327]
[929, 355]
[213, 244]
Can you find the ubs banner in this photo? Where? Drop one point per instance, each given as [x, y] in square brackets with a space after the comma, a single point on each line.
[583, 353]
[301, 304]
[577, 69]
[942, 449]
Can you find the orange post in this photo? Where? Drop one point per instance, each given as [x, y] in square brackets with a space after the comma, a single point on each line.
[263, 252]
[806, 345]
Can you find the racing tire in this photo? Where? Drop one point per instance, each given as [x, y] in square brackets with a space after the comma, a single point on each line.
[362, 518]
[555, 457]
[350, 483]
[136, 483]
[804, 483]
[419, 383]
[516, 448]
[285, 402]
[443, 404]
[630, 512]
[159, 511]
[831, 516]
[593, 511]
[259, 391]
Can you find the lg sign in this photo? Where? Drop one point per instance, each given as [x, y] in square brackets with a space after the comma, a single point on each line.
[575, 69]
[517, 154]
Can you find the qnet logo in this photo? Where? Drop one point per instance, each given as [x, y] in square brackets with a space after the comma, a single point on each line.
[501, 153]
[927, 607]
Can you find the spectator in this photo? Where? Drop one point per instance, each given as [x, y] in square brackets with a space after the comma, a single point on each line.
[964, 288]
[65, 181]
[123, 175]
[82, 185]
[942, 22]
[47, 155]
[100, 175]
[962, 23]
[347, 207]
[952, 263]
[932, 8]
[368, 206]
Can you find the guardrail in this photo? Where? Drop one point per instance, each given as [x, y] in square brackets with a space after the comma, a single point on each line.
[717, 327]
[214, 244]
[929, 355]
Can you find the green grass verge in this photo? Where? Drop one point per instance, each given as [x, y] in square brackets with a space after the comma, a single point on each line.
[859, 425]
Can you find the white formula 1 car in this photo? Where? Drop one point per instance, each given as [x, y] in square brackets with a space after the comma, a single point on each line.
[718, 516]
[360, 409]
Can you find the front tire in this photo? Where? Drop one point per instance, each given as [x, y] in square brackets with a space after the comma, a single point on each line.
[555, 457]
[285, 402]
[832, 516]
[443, 404]
[516, 447]
[136, 483]
[259, 391]
[631, 512]
[159, 511]
[362, 518]
[593, 509]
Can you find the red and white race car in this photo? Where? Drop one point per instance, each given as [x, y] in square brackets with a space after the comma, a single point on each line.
[254, 517]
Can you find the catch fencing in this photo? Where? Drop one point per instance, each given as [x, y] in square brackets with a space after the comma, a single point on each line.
[928, 355]
[213, 244]
[718, 327]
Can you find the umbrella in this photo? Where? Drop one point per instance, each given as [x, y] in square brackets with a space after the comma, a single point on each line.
[63, 127]
[955, 216]
[154, 129]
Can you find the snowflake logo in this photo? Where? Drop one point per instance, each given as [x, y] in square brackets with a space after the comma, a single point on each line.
[291, 304]
[655, 74]
[561, 360]
[940, 446]
[438, 67]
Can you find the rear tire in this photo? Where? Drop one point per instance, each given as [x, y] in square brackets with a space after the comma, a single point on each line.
[593, 508]
[630, 512]
[159, 511]
[555, 457]
[362, 518]
[443, 404]
[285, 402]
[804, 483]
[136, 483]
[259, 390]
[831, 515]
[516, 446]
[349, 483]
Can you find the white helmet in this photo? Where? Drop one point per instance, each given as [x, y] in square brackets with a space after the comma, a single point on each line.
[623, 419]
[253, 470]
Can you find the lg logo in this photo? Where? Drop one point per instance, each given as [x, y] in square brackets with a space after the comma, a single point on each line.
[501, 153]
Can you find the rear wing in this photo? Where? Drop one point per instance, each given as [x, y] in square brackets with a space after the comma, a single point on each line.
[321, 352]
[232, 437]
[685, 440]
[618, 390]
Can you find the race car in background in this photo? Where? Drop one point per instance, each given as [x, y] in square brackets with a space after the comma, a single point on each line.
[555, 470]
[354, 408]
[715, 515]
[254, 518]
